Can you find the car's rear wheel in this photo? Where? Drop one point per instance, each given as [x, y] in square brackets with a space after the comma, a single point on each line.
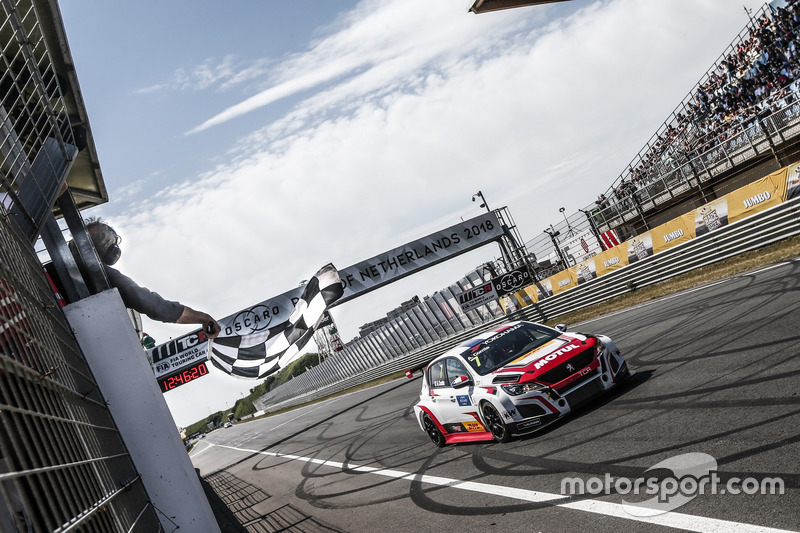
[494, 423]
[433, 432]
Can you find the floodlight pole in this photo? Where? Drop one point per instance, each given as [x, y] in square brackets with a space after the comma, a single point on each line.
[483, 200]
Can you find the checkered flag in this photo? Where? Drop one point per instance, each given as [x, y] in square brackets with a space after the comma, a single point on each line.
[260, 354]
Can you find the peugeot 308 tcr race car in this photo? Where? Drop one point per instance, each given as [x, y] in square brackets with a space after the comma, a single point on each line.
[513, 379]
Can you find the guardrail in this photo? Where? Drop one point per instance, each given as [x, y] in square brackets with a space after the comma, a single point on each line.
[348, 369]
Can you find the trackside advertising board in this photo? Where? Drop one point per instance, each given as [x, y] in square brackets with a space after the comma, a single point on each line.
[498, 287]
[477, 296]
[512, 281]
[769, 191]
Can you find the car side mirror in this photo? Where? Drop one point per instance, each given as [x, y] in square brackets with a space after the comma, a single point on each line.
[461, 381]
[561, 327]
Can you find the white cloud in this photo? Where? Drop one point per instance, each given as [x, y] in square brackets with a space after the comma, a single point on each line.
[381, 43]
[223, 75]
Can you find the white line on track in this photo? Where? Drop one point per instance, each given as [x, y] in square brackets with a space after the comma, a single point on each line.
[208, 447]
[303, 412]
[764, 269]
[669, 519]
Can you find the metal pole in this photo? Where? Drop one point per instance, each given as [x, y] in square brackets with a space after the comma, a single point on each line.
[485, 203]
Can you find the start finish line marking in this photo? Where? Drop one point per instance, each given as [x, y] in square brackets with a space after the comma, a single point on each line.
[686, 522]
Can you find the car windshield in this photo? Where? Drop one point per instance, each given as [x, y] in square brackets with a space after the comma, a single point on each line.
[509, 344]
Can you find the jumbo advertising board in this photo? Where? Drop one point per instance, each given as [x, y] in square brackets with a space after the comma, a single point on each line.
[172, 360]
[761, 194]
[580, 247]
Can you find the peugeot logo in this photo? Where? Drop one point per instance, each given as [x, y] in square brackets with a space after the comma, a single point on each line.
[570, 368]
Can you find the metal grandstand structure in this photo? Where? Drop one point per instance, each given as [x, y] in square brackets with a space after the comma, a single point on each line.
[666, 179]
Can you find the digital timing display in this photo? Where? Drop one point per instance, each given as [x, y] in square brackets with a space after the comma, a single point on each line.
[186, 375]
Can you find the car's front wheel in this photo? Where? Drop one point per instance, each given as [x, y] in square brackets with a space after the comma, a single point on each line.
[433, 432]
[494, 423]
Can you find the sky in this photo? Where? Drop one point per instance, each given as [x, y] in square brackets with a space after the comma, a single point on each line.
[245, 145]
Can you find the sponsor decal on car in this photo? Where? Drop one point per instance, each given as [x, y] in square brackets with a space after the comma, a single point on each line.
[575, 377]
[463, 400]
[550, 357]
[473, 426]
[529, 423]
[477, 349]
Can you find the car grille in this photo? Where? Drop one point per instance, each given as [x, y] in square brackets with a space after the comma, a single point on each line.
[614, 364]
[584, 393]
[506, 378]
[580, 361]
[530, 410]
[587, 377]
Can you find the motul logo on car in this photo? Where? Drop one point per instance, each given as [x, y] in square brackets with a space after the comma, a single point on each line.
[546, 359]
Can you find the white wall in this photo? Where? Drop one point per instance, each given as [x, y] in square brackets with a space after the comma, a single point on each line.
[105, 334]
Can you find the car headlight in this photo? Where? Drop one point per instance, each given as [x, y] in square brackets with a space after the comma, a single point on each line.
[515, 389]
[599, 347]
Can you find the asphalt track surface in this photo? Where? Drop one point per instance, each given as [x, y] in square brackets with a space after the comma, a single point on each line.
[717, 373]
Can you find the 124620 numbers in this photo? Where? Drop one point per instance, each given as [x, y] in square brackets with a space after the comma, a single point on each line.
[183, 377]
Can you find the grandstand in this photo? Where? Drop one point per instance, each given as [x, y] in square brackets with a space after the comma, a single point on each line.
[740, 122]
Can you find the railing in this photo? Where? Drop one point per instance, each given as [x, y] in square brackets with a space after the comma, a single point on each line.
[681, 173]
[371, 361]
[752, 233]
[673, 163]
[657, 150]
[676, 178]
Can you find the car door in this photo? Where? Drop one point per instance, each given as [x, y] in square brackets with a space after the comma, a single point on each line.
[453, 405]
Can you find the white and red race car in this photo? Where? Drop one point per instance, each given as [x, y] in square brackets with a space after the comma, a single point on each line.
[514, 379]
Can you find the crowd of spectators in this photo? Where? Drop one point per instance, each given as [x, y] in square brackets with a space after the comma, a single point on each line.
[759, 75]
